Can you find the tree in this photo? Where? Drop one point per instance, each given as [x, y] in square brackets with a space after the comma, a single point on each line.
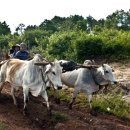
[34, 37]
[118, 20]
[4, 28]
[20, 28]
[30, 27]
[49, 26]
[91, 22]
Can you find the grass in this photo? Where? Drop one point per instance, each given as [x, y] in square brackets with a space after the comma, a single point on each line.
[64, 95]
[59, 117]
[111, 103]
[2, 127]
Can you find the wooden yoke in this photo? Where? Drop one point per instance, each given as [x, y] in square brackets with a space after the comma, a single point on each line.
[86, 66]
[42, 63]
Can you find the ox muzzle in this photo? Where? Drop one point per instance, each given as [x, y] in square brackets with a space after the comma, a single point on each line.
[59, 87]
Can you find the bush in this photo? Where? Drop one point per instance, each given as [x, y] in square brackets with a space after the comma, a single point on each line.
[88, 48]
[60, 45]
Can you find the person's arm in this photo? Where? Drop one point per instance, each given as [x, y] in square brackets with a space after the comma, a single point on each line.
[17, 55]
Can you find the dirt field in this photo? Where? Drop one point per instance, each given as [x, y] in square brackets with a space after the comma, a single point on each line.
[77, 119]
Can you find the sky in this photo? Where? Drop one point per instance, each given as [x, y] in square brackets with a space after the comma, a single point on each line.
[33, 12]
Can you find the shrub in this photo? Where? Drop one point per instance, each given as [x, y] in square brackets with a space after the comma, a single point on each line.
[112, 103]
[88, 48]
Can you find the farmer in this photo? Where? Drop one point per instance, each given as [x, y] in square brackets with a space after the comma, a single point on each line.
[14, 50]
[22, 54]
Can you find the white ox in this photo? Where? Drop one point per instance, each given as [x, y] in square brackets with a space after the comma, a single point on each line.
[30, 76]
[87, 80]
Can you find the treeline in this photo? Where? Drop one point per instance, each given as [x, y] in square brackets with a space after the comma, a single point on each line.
[74, 37]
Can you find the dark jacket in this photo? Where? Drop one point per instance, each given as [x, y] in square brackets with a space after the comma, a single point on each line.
[22, 55]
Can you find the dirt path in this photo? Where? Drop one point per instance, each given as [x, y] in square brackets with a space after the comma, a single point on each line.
[77, 119]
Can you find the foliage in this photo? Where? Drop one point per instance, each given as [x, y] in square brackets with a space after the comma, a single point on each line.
[57, 116]
[60, 45]
[115, 43]
[20, 28]
[4, 28]
[4, 39]
[112, 103]
[2, 127]
[88, 47]
[74, 37]
[35, 38]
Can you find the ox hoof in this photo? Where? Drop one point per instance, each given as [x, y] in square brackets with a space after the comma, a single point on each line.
[49, 112]
[17, 105]
[25, 112]
[70, 106]
[57, 100]
[93, 112]
[48, 88]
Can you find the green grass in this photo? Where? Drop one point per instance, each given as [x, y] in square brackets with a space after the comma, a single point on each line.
[2, 127]
[113, 104]
[59, 117]
[64, 95]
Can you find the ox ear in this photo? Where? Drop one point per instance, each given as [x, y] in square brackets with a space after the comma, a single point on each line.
[93, 62]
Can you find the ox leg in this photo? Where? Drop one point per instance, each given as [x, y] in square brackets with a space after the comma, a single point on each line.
[1, 86]
[2, 81]
[74, 97]
[105, 89]
[90, 100]
[13, 95]
[92, 112]
[44, 95]
[25, 93]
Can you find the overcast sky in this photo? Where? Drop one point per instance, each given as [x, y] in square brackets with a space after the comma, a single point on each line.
[33, 12]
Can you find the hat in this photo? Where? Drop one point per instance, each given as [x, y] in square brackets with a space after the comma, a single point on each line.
[17, 45]
[22, 44]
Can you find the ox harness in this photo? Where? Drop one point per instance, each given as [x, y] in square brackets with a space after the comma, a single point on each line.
[68, 66]
[45, 79]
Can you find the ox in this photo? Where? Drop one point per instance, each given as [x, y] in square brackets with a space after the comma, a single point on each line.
[31, 77]
[88, 80]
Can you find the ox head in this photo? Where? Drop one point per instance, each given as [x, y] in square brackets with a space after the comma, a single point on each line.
[54, 71]
[107, 73]
[89, 62]
[37, 58]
